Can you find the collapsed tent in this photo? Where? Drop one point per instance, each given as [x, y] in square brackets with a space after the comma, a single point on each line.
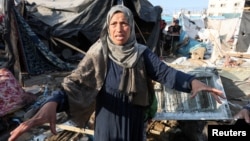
[214, 31]
[44, 35]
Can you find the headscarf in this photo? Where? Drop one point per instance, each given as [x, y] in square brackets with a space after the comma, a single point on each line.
[128, 54]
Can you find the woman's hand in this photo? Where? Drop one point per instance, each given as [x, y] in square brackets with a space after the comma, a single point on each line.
[47, 114]
[198, 86]
[243, 114]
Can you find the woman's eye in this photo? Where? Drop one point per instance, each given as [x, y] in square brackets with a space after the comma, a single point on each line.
[123, 24]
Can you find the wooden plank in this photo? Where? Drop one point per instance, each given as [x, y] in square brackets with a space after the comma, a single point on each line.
[73, 128]
[239, 54]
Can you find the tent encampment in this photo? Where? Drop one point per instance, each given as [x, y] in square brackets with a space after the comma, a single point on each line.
[41, 35]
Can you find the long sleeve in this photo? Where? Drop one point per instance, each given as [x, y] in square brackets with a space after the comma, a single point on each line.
[166, 75]
[60, 98]
[84, 83]
[247, 107]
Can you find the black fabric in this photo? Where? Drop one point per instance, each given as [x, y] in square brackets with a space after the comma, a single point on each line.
[88, 20]
[35, 54]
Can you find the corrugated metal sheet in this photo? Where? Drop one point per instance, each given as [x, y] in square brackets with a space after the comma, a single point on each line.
[177, 105]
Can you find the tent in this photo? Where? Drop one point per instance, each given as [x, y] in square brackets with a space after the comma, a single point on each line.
[42, 35]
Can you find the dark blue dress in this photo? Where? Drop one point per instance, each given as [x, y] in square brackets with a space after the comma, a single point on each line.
[116, 118]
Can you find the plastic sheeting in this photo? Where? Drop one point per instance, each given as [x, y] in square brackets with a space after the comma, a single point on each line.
[70, 18]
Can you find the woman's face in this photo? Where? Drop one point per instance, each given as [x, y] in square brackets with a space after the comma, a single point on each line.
[119, 29]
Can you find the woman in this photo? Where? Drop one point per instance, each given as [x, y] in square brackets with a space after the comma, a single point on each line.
[112, 79]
